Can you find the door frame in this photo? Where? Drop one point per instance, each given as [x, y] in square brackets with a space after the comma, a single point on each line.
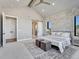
[37, 24]
[33, 29]
[3, 26]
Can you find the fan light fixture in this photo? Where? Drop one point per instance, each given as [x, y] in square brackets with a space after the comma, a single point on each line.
[40, 2]
[31, 3]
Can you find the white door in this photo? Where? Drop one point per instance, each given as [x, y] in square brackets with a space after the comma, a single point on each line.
[40, 29]
[10, 31]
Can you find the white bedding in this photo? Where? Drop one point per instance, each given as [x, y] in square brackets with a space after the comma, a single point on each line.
[60, 42]
[59, 39]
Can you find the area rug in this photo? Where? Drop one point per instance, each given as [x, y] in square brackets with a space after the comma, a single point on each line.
[38, 53]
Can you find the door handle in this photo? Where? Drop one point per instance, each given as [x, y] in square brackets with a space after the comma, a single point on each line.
[3, 33]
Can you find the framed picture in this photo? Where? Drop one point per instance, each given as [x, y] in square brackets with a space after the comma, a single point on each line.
[76, 25]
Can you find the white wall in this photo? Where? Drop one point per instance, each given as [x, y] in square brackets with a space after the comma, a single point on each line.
[64, 20]
[25, 17]
[24, 28]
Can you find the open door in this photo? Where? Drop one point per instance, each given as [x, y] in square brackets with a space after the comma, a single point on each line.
[9, 29]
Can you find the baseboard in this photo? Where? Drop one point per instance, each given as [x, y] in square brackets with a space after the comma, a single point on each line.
[24, 39]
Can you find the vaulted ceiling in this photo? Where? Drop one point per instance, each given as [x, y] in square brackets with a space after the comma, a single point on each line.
[13, 3]
[43, 9]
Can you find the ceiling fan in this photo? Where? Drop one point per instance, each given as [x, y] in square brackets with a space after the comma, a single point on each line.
[41, 1]
[31, 3]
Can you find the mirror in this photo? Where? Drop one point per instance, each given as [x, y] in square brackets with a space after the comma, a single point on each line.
[49, 25]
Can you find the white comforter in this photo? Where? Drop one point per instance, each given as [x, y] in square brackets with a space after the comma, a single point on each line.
[61, 42]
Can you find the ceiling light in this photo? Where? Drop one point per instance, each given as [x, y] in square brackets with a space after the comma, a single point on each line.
[43, 10]
[17, 0]
[53, 4]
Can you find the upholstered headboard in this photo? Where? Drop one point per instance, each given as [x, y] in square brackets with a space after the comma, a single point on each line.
[62, 33]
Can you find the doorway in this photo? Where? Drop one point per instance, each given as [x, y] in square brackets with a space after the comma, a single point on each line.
[9, 28]
[34, 29]
[10, 31]
[37, 28]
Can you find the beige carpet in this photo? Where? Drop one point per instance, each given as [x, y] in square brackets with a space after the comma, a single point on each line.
[14, 51]
[21, 50]
[70, 52]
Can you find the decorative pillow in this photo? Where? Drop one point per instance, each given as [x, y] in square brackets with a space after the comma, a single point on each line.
[58, 33]
[61, 34]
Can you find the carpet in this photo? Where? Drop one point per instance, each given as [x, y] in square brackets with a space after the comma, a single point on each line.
[38, 53]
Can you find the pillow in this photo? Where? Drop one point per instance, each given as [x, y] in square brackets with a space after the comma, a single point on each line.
[53, 33]
[58, 33]
[66, 35]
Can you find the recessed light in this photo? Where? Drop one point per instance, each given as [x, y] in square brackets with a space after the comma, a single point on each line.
[43, 10]
[53, 4]
[17, 0]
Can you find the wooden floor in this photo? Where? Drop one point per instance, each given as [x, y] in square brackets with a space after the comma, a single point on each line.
[11, 40]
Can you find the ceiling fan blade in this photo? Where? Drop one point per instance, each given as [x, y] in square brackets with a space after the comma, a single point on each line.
[31, 3]
[41, 0]
[37, 4]
[46, 3]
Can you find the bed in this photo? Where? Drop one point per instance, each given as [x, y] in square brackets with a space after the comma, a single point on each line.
[59, 39]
